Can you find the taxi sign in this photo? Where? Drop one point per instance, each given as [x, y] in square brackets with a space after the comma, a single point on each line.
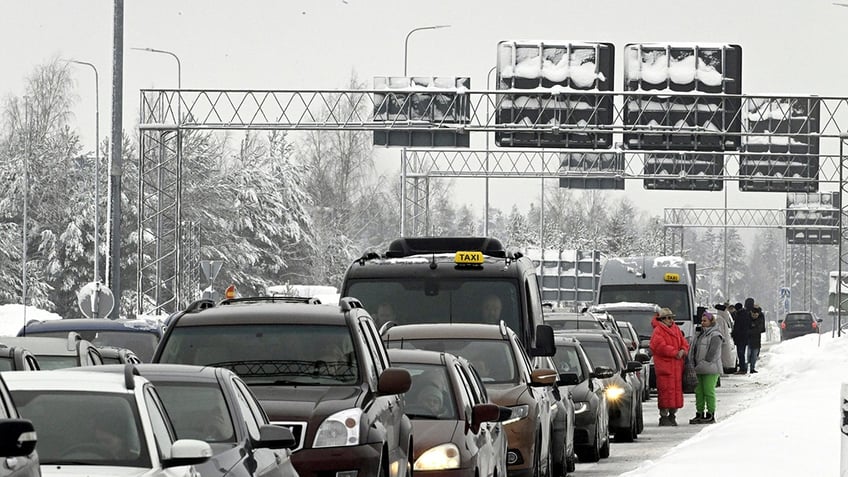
[468, 257]
[672, 277]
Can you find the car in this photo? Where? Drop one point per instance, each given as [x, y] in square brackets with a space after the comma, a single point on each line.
[564, 320]
[565, 456]
[639, 315]
[505, 369]
[58, 353]
[798, 323]
[320, 370]
[604, 317]
[139, 335]
[631, 337]
[624, 400]
[18, 440]
[216, 406]
[16, 358]
[456, 428]
[115, 355]
[591, 415]
[92, 423]
[642, 374]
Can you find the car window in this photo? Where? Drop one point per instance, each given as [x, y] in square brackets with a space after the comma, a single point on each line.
[142, 343]
[159, 423]
[600, 354]
[57, 362]
[567, 360]
[493, 359]
[197, 410]
[799, 318]
[7, 363]
[256, 411]
[247, 415]
[574, 324]
[431, 394]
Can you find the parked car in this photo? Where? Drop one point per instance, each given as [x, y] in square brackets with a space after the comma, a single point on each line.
[456, 428]
[140, 335]
[564, 320]
[641, 374]
[18, 439]
[639, 315]
[798, 323]
[216, 406]
[113, 355]
[624, 401]
[591, 415]
[320, 370]
[498, 356]
[58, 353]
[565, 457]
[631, 337]
[92, 423]
[16, 358]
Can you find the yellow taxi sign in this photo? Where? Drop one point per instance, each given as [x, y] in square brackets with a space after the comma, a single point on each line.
[672, 277]
[468, 257]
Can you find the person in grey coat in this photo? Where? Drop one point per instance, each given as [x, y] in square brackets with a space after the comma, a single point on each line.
[706, 357]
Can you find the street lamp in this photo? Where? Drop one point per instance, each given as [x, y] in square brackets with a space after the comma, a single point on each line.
[96, 166]
[406, 41]
[165, 52]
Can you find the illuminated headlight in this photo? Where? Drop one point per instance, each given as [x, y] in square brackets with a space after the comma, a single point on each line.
[340, 429]
[441, 457]
[518, 413]
[581, 407]
[614, 392]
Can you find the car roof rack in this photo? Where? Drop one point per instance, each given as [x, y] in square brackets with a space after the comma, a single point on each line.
[272, 299]
[129, 372]
[348, 303]
[407, 246]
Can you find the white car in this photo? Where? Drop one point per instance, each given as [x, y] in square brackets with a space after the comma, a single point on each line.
[99, 424]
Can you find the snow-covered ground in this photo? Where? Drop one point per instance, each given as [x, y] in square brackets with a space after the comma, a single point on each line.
[12, 318]
[790, 428]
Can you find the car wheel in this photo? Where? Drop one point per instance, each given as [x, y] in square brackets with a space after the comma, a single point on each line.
[570, 463]
[591, 453]
[605, 448]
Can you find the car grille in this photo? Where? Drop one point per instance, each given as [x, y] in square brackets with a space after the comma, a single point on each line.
[298, 429]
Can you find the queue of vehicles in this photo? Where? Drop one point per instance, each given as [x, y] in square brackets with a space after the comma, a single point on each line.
[444, 363]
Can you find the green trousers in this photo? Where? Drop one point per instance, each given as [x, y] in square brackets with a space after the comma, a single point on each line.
[705, 396]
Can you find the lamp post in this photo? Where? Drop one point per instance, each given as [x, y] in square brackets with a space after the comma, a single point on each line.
[165, 52]
[406, 41]
[486, 183]
[96, 166]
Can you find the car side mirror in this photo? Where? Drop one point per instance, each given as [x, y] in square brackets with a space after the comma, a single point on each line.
[394, 381]
[642, 358]
[543, 377]
[485, 412]
[187, 452]
[504, 413]
[602, 372]
[633, 366]
[544, 341]
[568, 379]
[17, 437]
[275, 437]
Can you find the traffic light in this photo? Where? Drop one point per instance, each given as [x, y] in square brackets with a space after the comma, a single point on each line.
[782, 146]
[410, 113]
[812, 218]
[555, 85]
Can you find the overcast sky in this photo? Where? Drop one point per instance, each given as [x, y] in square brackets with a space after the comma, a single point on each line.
[789, 46]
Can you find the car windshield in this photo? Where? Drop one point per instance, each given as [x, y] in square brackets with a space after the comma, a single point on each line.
[430, 396]
[47, 362]
[445, 300]
[600, 354]
[640, 319]
[142, 343]
[197, 411]
[568, 361]
[269, 353]
[85, 428]
[493, 359]
[573, 324]
[799, 318]
[675, 297]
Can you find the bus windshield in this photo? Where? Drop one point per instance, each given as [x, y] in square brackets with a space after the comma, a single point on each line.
[675, 297]
[423, 300]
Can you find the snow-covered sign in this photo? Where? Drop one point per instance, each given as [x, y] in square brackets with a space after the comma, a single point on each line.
[812, 218]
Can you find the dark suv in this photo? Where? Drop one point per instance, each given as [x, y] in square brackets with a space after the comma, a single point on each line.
[320, 370]
[798, 323]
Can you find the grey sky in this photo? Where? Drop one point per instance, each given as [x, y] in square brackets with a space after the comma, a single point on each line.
[789, 46]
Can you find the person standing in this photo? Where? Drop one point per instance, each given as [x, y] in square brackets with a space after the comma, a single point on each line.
[740, 333]
[706, 357]
[758, 327]
[669, 348]
[724, 323]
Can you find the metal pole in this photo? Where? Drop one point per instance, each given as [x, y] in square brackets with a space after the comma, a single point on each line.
[403, 192]
[27, 152]
[406, 41]
[116, 163]
[96, 167]
[841, 238]
[486, 178]
[726, 292]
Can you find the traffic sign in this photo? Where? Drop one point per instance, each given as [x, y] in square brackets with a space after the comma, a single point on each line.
[210, 268]
[785, 292]
[95, 300]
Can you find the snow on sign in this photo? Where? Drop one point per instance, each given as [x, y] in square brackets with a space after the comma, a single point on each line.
[554, 83]
[812, 218]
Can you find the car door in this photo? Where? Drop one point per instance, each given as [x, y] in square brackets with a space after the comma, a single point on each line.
[467, 399]
[268, 462]
[17, 466]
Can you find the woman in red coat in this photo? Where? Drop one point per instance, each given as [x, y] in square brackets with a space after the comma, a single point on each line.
[669, 348]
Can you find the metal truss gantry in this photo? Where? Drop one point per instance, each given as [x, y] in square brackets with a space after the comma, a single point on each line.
[166, 113]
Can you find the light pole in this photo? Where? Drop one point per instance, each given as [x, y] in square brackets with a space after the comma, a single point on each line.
[165, 52]
[406, 41]
[96, 166]
[486, 183]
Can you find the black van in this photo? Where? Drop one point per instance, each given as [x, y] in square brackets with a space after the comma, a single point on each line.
[451, 280]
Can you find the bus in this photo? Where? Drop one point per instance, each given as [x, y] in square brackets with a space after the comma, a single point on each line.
[665, 280]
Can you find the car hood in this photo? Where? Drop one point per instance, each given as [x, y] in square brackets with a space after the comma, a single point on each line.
[507, 394]
[100, 470]
[430, 433]
[302, 402]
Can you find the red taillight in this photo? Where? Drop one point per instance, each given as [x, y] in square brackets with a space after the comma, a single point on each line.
[783, 325]
[230, 293]
[815, 325]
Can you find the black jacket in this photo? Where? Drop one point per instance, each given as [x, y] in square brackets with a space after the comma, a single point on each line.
[758, 327]
[742, 324]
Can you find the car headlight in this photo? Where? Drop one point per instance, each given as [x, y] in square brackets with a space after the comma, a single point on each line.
[580, 407]
[518, 413]
[614, 392]
[441, 457]
[339, 429]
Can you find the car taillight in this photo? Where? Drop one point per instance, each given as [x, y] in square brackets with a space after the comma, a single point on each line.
[815, 325]
[783, 325]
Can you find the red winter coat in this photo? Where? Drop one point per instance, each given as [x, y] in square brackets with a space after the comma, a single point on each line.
[666, 341]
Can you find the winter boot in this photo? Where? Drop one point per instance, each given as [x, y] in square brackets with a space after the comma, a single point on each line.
[672, 417]
[698, 419]
[709, 418]
[665, 421]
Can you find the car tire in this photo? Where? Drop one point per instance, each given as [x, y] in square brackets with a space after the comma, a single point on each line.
[591, 453]
[605, 448]
[570, 464]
